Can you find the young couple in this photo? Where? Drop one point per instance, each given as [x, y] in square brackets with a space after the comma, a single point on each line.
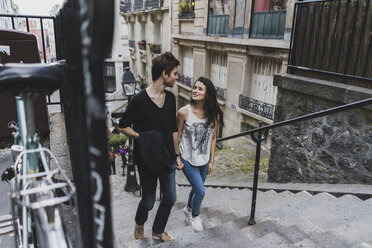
[188, 138]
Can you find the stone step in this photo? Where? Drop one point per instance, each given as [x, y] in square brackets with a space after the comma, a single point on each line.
[326, 214]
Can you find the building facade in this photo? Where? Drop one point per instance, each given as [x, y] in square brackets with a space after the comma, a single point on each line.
[149, 33]
[239, 45]
[6, 7]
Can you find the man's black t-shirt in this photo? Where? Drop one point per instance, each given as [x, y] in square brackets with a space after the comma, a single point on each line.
[145, 115]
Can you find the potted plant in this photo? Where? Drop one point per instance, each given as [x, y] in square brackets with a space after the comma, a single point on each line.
[155, 48]
[142, 44]
[142, 83]
[115, 140]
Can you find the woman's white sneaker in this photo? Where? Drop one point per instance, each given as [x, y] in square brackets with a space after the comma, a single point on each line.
[187, 215]
[196, 224]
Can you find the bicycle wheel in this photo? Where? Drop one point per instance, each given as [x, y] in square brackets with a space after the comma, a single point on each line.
[16, 212]
[48, 222]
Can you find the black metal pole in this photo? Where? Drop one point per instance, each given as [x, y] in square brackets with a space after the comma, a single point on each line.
[260, 137]
[131, 184]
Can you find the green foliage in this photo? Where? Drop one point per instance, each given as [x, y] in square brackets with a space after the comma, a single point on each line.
[116, 139]
[183, 7]
[155, 48]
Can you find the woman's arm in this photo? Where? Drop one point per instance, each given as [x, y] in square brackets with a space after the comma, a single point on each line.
[181, 119]
[213, 147]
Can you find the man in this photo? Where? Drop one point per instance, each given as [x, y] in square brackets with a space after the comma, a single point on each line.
[155, 109]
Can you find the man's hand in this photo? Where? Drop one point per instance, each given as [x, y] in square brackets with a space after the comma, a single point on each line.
[179, 163]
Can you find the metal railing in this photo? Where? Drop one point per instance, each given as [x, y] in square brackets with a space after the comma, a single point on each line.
[221, 93]
[218, 25]
[255, 106]
[126, 6]
[152, 4]
[268, 25]
[131, 44]
[259, 134]
[42, 35]
[185, 80]
[139, 5]
[332, 38]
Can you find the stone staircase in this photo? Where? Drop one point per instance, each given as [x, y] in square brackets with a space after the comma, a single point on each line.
[284, 219]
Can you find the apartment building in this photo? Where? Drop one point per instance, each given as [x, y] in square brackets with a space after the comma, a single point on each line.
[6, 7]
[239, 45]
[149, 32]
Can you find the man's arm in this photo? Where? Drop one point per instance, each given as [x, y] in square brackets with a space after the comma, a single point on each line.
[129, 132]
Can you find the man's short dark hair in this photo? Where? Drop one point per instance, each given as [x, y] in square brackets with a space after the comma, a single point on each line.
[165, 61]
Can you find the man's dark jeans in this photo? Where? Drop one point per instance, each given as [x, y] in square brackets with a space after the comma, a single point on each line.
[169, 197]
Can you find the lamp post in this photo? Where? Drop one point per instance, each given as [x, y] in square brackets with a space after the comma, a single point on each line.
[129, 86]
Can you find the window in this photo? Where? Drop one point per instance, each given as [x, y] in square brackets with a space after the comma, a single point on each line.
[219, 7]
[219, 73]
[109, 78]
[188, 62]
[218, 17]
[186, 9]
[239, 17]
[268, 19]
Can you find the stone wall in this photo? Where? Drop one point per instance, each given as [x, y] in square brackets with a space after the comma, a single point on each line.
[331, 149]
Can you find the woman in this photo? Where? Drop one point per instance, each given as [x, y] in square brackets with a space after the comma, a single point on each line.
[197, 125]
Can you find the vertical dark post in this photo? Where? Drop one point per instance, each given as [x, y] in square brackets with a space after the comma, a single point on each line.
[260, 137]
[43, 39]
[131, 184]
[85, 29]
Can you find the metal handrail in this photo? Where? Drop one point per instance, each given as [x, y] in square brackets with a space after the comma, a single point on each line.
[334, 110]
[259, 134]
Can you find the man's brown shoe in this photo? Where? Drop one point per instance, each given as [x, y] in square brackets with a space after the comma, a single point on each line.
[139, 232]
[162, 236]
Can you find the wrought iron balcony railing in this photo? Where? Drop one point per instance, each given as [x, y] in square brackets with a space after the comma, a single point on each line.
[221, 93]
[152, 4]
[185, 80]
[268, 25]
[126, 6]
[255, 106]
[218, 25]
[139, 5]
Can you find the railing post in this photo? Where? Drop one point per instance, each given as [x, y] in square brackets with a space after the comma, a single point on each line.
[260, 137]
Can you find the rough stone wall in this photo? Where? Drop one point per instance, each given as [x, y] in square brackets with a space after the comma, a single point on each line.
[331, 149]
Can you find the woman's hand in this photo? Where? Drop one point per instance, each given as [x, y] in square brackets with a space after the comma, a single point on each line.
[179, 163]
[210, 168]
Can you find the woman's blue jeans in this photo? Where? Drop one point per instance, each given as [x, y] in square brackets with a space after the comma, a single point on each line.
[196, 175]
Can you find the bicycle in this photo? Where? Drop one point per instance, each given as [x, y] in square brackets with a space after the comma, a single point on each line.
[36, 193]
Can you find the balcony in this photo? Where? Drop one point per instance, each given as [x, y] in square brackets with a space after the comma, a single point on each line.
[221, 93]
[257, 107]
[129, 6]
[153, 4]
[139, 5]
[155, 48]
[185, 80]
[126, 6]
[218, 25]
[142, 45]
[268, 25]
[131, 44]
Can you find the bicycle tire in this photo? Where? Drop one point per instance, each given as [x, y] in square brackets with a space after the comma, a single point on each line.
[50, 229]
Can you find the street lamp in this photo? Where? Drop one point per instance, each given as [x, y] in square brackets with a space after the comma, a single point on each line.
[128, 83]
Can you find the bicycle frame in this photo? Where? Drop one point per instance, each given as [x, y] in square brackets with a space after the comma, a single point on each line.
[27, 163]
